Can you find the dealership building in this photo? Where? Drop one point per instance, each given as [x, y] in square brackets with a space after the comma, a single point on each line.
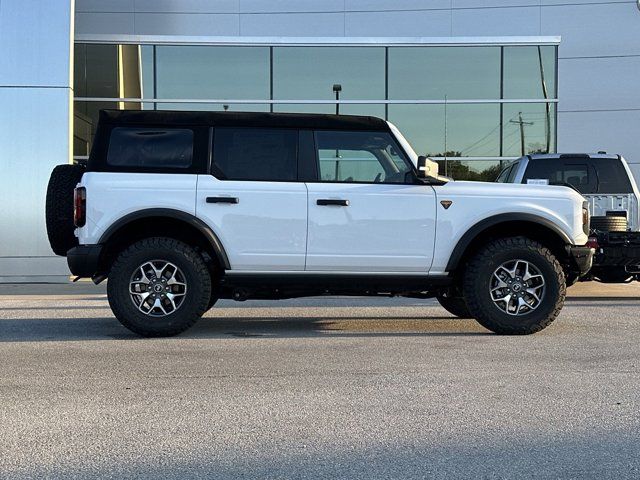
[472, 83]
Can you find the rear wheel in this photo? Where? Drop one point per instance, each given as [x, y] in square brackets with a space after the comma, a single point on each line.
[456, 306]
[514, 286]
[159, 287]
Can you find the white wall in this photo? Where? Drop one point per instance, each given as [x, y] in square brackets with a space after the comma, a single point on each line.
[35, 94]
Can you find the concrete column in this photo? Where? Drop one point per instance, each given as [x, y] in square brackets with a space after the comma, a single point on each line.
[36, 93]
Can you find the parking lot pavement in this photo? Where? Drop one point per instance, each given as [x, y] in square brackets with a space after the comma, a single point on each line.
[318, 388]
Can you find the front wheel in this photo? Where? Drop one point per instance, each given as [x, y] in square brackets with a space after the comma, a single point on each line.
[514, 286]
[159, 287]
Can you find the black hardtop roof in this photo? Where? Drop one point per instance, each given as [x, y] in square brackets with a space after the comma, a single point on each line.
[242, 119]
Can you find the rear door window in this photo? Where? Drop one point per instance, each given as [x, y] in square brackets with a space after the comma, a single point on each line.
[260, 154]
[150, 148]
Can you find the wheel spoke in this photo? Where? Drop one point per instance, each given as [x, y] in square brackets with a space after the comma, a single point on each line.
[517, 287]
[158, 288]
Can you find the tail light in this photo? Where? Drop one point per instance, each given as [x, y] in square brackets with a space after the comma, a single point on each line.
[79, 206]
[592, 242]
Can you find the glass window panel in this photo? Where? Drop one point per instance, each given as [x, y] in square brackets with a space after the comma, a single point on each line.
[212, 72]
[528, 70]
[150, 147]
[256, 153]
[471, 130]
[431, 73]
[146, 62]
[95, 70]
[113, 71]
[371, 157]
[537, 134]
[309, 73]
[476, 170]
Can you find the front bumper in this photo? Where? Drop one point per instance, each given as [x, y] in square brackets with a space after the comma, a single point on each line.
[581, 259]
[83, 260]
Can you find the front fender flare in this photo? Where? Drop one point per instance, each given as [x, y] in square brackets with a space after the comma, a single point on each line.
[481, 226]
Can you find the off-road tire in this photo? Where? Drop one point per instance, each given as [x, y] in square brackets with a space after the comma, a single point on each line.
[59, 207]
[197, 278]
[456, 306]
[478, 274]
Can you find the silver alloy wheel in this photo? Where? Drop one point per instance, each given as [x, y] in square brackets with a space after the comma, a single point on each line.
[157, 288]
[517, 287]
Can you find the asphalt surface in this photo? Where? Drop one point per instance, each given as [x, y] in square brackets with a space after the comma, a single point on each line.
[318, 388]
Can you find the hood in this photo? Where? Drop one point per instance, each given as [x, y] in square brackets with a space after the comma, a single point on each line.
[508, 190]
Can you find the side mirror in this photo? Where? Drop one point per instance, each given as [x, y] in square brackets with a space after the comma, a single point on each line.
[427, 167]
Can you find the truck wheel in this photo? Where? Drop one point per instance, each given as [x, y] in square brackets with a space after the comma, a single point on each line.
[456, 306]
[159, 287]
[514, 286]
[59, 207]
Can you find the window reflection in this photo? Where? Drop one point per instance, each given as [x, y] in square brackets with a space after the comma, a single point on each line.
[309, 73]
[529, 72]
[435, 72]
[528, 128]
[457, 131]
[212, 72]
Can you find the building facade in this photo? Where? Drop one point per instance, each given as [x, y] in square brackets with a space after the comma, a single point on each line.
[471, 83]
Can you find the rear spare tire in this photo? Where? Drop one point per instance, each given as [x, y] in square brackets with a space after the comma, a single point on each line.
[514, 286]
[59, 207]
[609, 223]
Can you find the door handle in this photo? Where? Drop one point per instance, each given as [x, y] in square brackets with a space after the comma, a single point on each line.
[223, 200]
[331, 201]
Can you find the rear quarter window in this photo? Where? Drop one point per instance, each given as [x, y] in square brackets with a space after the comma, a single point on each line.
[150, 148]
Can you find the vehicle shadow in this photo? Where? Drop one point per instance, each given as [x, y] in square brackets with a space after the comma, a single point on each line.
[108, 328]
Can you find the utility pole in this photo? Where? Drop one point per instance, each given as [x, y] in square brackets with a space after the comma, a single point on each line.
[522, 123]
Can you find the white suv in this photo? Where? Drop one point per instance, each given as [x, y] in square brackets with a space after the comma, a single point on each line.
[179, 209]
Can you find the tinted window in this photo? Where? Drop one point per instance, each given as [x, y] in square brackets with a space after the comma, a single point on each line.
[256, 153]
[560, 172]
[371, 157]
[611, 177]
[150, 148]
[502, 178]
[597, 175]
[513, 172]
